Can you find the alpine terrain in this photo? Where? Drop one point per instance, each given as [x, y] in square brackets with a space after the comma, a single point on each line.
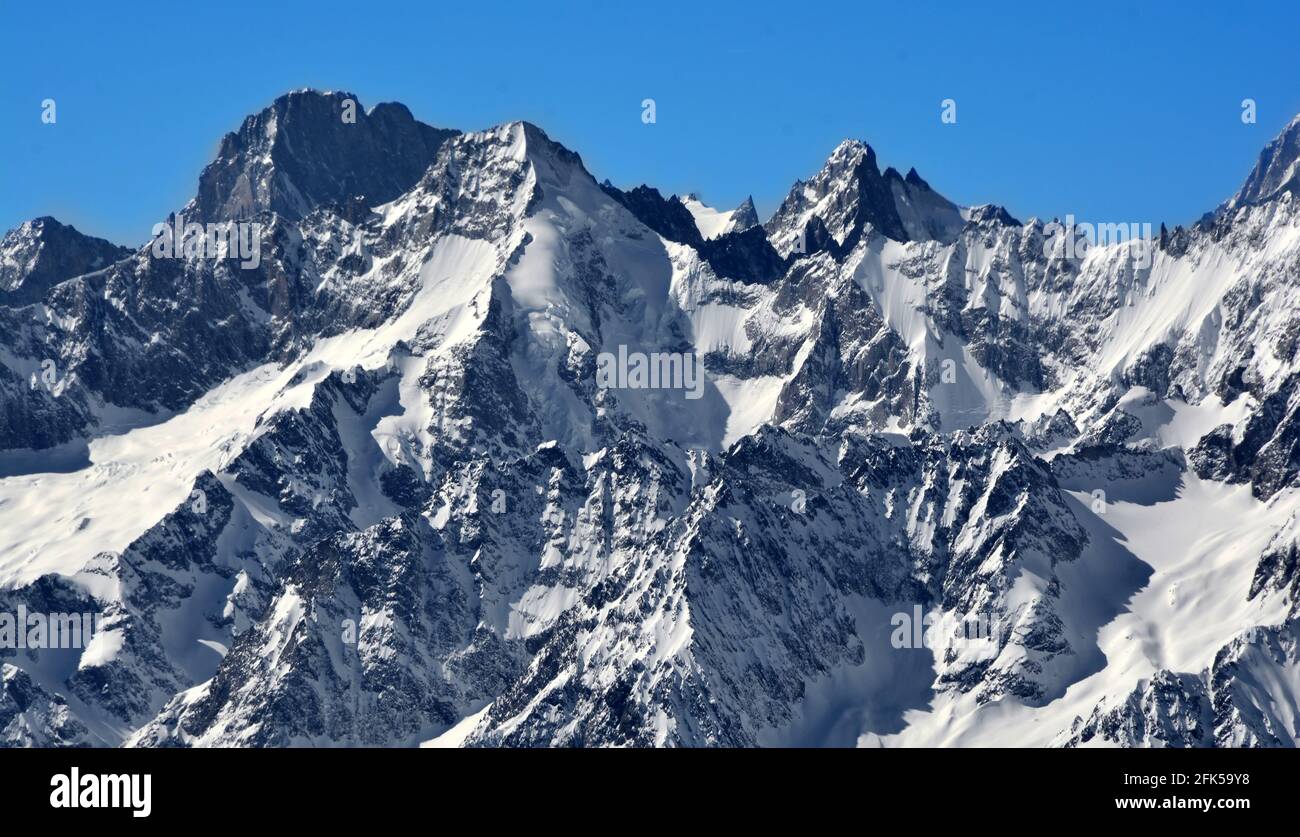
[397, 435]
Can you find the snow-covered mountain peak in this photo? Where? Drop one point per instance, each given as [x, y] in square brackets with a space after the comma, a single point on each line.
[850, 196]
[1276, 171]
[40, 253]
[713, 223]
[991, 213]
[850, 152]
[537, 146]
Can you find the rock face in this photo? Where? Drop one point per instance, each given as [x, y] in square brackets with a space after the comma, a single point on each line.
[850, 195]
[487, 452]
[31, 717]
[312, 149]
[1277, 171]
[742, 253]
[42, 253]
[743, 217]
[356, 645]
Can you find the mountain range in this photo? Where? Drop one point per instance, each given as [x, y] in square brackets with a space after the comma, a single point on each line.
[373, 491]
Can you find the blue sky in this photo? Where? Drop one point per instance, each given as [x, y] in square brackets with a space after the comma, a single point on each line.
[1110, 111]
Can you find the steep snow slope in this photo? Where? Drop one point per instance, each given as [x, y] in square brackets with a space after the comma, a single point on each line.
[713, 222]
[1200, 543]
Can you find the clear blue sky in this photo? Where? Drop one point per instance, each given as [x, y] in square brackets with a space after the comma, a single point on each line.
[1109, 111]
